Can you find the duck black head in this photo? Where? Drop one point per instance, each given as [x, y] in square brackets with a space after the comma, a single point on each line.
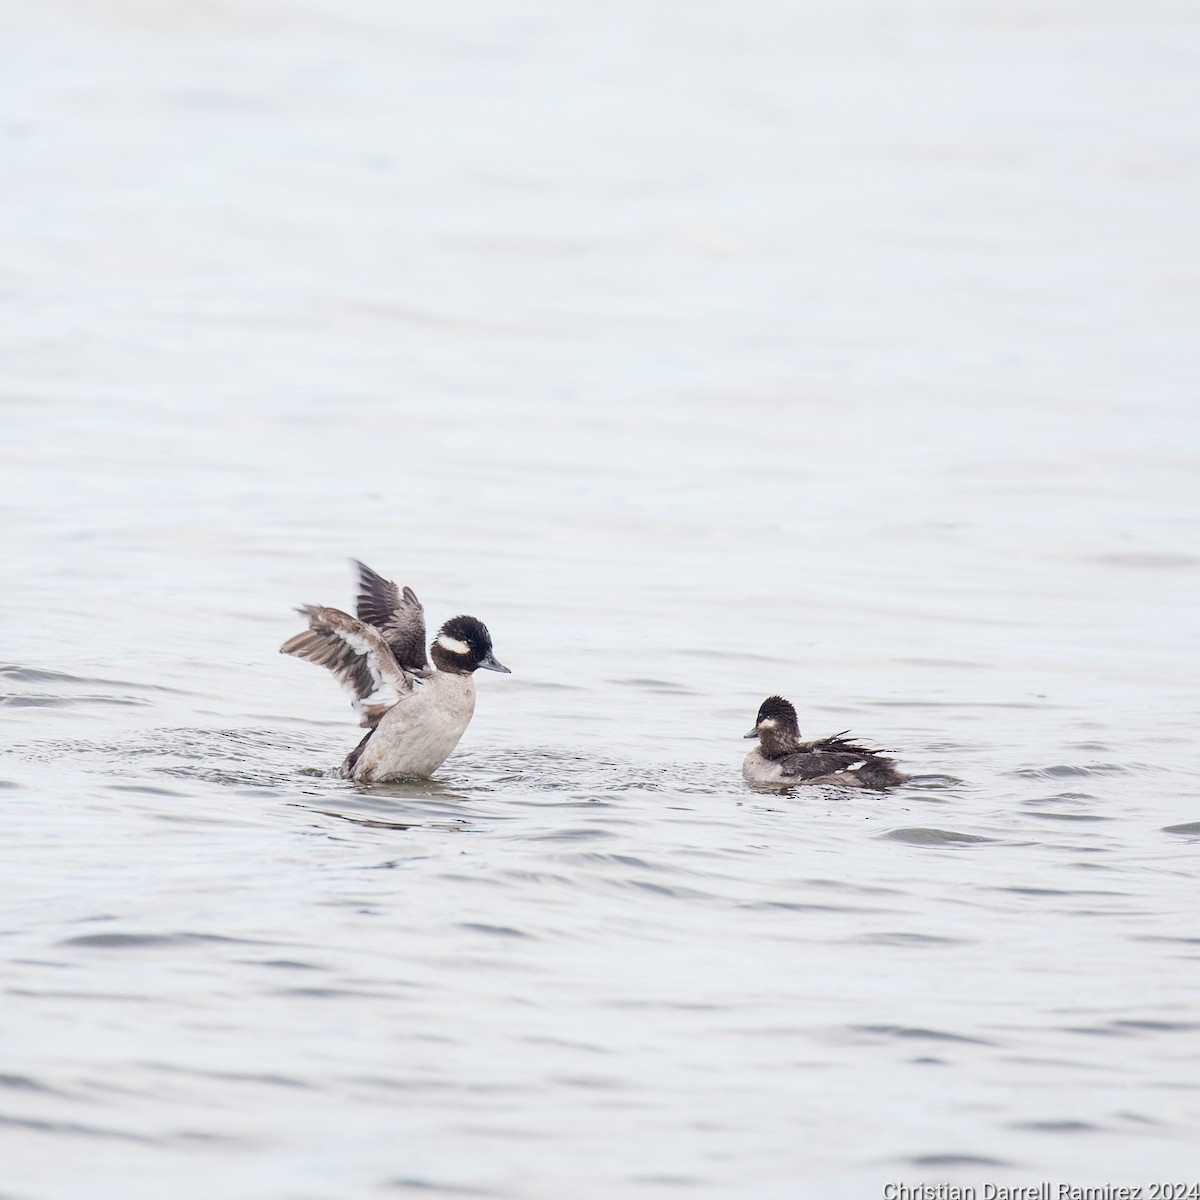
[776, 726]
[464, 645]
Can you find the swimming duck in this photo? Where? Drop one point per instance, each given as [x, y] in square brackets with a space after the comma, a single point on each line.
[782, 760]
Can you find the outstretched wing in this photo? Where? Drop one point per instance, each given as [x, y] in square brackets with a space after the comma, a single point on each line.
[397, 614]
[357, 654]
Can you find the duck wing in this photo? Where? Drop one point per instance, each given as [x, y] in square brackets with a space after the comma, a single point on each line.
[359, 657]
[396, 613]
[827, 756]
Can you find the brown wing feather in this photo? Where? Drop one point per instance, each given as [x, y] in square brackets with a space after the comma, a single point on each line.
[357, 654]
[397, 614]
[826, 756]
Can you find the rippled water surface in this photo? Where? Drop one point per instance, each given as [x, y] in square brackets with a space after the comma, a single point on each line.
[703, 351]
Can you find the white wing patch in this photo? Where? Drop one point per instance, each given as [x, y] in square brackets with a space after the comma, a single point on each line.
[384, 692]
[358, 656]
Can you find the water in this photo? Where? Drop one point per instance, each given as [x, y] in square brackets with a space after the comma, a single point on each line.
[845, 351]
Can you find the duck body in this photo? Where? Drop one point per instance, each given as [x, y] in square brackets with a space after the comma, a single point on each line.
[416, 735]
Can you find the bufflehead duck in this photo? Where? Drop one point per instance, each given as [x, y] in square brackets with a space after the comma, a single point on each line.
[414, 713]
[782, 760]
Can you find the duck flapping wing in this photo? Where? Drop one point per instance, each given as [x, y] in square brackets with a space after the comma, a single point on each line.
[396, 613]
[359, 656]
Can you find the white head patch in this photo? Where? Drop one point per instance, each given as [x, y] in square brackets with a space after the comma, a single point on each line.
[453, 645]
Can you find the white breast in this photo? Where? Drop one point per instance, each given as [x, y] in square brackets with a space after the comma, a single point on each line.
[756, 769]
[417, 735]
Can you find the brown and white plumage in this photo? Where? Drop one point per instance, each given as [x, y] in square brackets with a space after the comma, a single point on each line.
[782, 760]
[359, 656]
[414, 712]
[396, 613]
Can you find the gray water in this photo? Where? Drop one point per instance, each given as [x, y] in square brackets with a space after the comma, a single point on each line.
[847, 351]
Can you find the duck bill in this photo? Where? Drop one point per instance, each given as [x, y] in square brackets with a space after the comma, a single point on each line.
[752, 733]
[490, 664]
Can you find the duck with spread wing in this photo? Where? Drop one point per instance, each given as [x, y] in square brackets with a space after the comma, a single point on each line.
[414, 711]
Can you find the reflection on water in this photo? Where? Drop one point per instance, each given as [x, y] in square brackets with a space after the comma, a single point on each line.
[705, 354]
